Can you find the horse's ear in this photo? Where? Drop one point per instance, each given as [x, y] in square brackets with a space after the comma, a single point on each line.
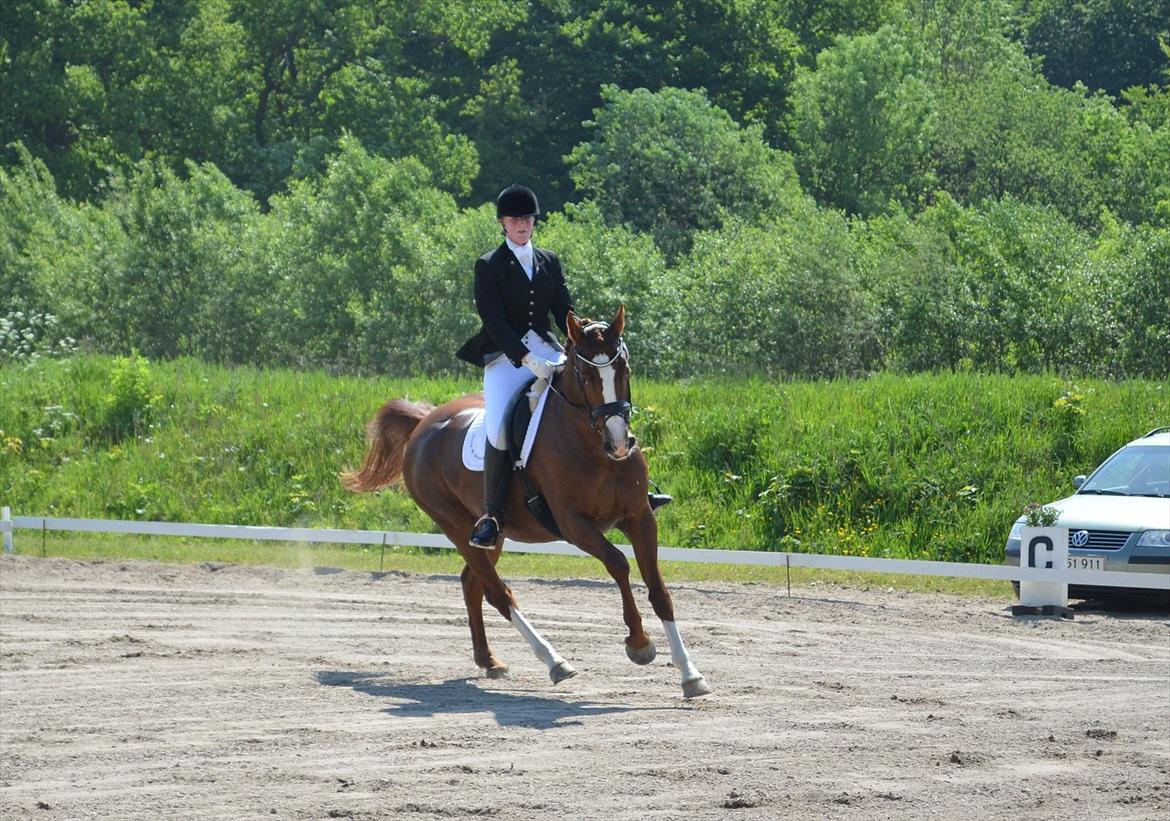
[573, 324]
[619, 323]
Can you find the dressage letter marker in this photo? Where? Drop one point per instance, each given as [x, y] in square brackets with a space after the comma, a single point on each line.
[1044, 548]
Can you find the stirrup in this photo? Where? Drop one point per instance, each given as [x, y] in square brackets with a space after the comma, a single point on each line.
[658, 500]
[486, 533]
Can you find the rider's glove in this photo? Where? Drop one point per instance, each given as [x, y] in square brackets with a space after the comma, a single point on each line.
[540, 367]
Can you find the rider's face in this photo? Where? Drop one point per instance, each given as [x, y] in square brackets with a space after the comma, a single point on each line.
[518, 229]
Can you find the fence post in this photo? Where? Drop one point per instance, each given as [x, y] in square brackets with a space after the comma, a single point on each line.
[6, 526]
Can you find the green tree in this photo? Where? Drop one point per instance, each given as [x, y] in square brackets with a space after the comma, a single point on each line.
[670, 163]
[864, 123]
[607, 266]
[1110, 45]
[362, 258]
[317, 70]
[779, 299]
[926, 306]
[527, 99]
[189, 277]
[52, 251]
[70, 82]
[1036, 301]
[1134, 261]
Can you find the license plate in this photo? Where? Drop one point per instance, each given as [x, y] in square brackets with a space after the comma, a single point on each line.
[1086, 562]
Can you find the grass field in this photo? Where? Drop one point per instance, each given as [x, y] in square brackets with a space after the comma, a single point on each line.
[921, 466]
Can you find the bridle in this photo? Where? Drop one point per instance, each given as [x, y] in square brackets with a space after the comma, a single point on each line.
[598, 414]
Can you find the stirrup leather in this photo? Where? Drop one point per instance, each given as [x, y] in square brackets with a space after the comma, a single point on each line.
[486, 533]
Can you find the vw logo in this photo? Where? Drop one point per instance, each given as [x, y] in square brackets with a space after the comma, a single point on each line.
[1079, 539]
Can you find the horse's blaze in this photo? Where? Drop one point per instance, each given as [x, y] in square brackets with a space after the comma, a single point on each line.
[617, 430]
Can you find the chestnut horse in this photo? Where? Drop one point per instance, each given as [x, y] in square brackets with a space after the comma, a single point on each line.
[585, 464]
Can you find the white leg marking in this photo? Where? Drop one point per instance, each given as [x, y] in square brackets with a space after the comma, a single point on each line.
[544, 651]
[678, 653]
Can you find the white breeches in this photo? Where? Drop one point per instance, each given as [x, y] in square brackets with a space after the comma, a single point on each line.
[501, 380]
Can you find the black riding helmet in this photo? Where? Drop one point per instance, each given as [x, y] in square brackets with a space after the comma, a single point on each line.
[517, 201]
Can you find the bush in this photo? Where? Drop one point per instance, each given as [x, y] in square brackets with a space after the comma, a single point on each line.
[375, 267]
[610, 266]
[188, 280]
[669, 163]
[782, 300]
[29, 337]
[129, 407]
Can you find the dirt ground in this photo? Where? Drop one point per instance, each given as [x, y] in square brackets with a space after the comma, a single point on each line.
[142, 690]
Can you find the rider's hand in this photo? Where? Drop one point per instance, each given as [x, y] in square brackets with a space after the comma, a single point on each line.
[540, 367]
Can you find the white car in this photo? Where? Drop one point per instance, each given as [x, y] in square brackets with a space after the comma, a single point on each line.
[1119, 518]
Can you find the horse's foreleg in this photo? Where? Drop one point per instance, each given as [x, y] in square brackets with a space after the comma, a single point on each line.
[473, 598]
[643, 533]
[481, 565]
[639, 648]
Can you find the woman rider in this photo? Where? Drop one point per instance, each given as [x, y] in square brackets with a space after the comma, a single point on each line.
[517, 286]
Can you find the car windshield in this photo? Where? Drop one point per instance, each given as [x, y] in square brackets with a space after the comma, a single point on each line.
[1133, 471]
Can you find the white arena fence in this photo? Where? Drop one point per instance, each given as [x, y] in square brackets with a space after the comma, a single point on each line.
[387, 538]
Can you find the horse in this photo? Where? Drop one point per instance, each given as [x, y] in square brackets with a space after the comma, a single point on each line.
[584, 462]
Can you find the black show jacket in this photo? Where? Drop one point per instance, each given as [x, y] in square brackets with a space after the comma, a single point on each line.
[509, 304]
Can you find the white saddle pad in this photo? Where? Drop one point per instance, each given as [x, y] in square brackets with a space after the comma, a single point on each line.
[475, 441]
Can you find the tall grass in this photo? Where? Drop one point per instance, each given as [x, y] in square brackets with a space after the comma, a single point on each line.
[923, 466]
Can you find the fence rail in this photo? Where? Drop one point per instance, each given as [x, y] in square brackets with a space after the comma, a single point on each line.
[389, 538]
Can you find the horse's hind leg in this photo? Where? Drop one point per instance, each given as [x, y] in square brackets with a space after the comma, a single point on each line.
[473, 598]
[482, 565]
[473, 595]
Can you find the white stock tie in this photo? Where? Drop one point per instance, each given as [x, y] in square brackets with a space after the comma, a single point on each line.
[525, 257]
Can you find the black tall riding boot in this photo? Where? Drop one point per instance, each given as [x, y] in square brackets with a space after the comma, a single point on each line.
[495, 484]
[658, 498]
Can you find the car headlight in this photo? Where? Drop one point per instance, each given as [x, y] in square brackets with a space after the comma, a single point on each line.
[1155, 538]
[1015, 531]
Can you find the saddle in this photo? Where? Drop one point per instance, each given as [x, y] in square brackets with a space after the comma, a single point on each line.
[519, 419]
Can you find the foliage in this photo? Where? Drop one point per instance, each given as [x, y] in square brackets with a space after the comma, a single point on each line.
[669, 163]
[611, 266]
[302, 183]
[186, 280]
[374, 267]
[1106, 44]
[865, 122]
[128, 408]
[1037, 515]
[50, 248]
[26, 338]
[996, 286]
[774, 300]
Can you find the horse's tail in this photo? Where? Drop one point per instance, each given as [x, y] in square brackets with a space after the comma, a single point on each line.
[386, 437]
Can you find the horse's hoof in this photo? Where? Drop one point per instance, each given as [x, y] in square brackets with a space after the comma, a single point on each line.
[643, 656]
[696, 687]
[562, 671]
[497, 672]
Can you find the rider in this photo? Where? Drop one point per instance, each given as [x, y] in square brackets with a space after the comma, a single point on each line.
[516, 287]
